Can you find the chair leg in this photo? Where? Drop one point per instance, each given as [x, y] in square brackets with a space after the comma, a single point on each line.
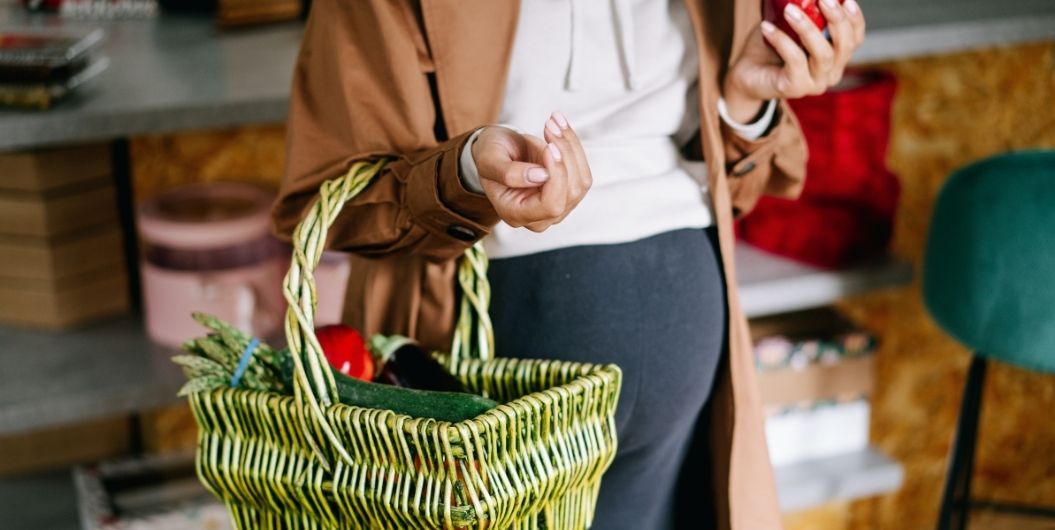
[1020, 509]
[956, 498]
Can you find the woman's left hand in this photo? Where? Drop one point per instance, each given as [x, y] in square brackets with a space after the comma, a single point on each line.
[792, 71]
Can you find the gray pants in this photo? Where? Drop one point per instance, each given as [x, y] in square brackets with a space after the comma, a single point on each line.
[655, 307]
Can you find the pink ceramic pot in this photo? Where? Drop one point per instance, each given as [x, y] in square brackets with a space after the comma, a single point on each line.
[207, 247]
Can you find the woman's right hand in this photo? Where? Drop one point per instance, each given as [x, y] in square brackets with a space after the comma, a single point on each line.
[532, 182]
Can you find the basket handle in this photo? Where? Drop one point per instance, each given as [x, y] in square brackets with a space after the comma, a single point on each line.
[313, 382]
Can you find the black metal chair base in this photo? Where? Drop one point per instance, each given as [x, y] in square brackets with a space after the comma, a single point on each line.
[1020, 509]
[956, 502]
[956, 499]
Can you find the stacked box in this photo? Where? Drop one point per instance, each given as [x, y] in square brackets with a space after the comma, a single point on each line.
[51, 449]
[816, 378]
[61, 248]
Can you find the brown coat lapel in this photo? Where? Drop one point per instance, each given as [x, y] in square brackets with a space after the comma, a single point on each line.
[471, 41]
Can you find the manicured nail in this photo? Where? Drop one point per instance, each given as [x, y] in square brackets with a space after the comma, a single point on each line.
[794, 13]
[552, 127]
[561, 120]
[851, 7]
[554, 152]
[830, 4]
[768, 28]
[537, 175]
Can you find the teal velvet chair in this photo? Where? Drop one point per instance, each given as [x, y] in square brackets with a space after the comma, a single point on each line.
[989, 281]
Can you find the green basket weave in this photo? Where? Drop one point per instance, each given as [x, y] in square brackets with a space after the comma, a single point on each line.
[307, 462]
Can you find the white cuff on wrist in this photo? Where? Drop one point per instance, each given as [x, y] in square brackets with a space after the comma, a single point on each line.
[469, 174]
[749, 131]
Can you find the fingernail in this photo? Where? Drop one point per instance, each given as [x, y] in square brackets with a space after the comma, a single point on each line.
[553, 151]
[537, 175]
[851, 7]
[830, 4]
[768, 27]
[782, 84]
[561, 120]
[552, 127]
[794, 13]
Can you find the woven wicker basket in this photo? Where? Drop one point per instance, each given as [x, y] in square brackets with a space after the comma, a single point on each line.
[534, 462]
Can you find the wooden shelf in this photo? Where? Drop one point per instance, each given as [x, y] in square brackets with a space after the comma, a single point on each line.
[848, 476]
[771, 284]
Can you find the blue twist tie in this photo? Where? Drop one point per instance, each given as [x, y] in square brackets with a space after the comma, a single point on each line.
[243, 363]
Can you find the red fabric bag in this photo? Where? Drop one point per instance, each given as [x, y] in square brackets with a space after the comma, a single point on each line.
[846, 211]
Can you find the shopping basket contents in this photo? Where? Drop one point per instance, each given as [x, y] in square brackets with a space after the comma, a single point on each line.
[289, 442]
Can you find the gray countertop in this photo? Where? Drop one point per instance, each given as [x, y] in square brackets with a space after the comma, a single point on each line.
[179, 72]
[854, 475]
[173, 73]
[105, 369]
[771, 284]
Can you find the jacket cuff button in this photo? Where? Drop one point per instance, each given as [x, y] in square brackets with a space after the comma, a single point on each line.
[744, 169]
[461, 233]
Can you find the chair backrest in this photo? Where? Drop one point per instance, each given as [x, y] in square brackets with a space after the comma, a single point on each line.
[989, 268]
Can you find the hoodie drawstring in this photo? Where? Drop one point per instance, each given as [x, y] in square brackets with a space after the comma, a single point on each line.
[622, 11]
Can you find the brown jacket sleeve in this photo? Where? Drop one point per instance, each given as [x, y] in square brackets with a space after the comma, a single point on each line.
[774, 164]
[345, 98]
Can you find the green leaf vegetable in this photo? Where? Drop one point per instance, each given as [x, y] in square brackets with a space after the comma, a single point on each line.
[211, 363]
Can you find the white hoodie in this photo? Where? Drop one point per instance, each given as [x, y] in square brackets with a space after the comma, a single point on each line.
[624, 72]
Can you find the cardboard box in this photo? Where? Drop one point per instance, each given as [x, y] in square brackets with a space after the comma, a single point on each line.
[817, 376]
[59, 212]
[65, 302]
[811, 323]
[71, 255]
[61, 447]
[817, 382]
[49, 169]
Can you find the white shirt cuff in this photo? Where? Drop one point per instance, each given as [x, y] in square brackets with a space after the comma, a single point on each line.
[470, 175]
[750, 131]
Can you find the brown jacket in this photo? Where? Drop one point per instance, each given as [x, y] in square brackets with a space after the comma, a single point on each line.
[411, 79]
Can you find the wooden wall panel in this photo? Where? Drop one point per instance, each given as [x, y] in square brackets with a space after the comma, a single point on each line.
[251, 154]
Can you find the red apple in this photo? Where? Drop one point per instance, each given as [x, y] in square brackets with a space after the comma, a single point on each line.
[773, 11]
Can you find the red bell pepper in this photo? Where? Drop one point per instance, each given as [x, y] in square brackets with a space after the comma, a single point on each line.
[346, 351]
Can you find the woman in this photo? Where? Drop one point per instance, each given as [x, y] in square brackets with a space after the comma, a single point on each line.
[639, 270]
